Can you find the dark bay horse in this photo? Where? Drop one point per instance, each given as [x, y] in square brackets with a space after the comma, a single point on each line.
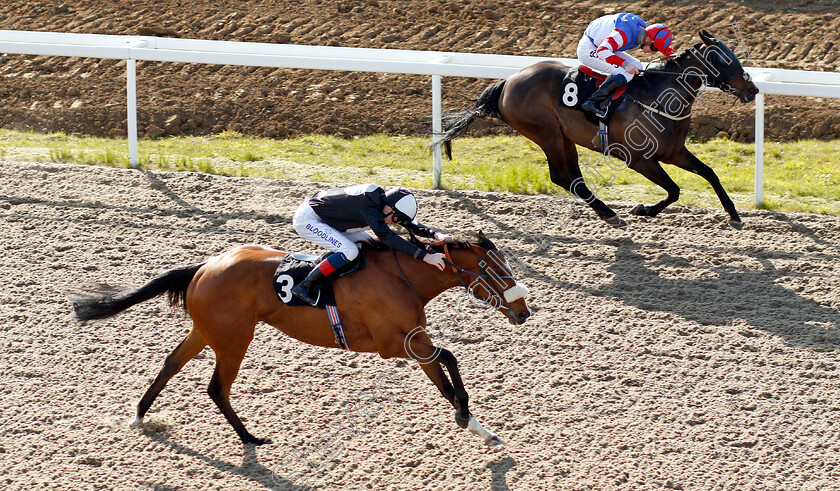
[381, 309]
[651, 130]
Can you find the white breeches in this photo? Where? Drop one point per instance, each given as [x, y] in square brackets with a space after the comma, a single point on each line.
[586, 55]
[309, 225]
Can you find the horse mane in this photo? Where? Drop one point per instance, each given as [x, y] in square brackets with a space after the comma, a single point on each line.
[465, 241]
[675, 63]
[462, 241]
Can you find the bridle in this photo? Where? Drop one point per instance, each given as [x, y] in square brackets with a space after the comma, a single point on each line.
[739, 93]
[487, 278]
[717, 82]
[723, 83]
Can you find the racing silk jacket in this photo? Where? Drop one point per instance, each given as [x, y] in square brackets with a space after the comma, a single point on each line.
[617, 32]
[359, 207]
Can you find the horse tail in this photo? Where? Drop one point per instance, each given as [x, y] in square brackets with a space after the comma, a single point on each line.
[456, 123]
[101, 301]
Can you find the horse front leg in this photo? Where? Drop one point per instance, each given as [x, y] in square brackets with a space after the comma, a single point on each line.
[448, 360]
[686, 160]
[657, 175]
[432, 360]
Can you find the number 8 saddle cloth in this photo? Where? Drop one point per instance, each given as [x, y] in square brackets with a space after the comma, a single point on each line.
[580, 83]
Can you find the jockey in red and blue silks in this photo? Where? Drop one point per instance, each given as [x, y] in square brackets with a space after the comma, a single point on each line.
[603, 47]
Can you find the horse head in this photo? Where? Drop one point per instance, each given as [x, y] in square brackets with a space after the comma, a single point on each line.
[724, 69]
[489, 278]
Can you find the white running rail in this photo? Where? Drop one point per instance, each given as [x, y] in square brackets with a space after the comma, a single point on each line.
[437, 64]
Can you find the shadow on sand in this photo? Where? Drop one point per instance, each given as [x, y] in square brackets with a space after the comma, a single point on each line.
[251, 469]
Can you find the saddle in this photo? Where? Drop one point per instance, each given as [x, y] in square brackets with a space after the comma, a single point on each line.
[580, 83]
[294, 268]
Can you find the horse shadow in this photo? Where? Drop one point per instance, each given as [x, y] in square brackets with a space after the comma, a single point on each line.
[250, 468]
[539, 241]
[499, 469]
[717, 294]
[214, 219]
[253, 470]
[723, 294]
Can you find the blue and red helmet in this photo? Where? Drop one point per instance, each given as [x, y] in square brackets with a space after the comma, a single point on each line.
[660, 36]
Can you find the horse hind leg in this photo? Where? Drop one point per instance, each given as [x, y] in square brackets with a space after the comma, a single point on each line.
[564, 169]
[228, 361]
[184, 352]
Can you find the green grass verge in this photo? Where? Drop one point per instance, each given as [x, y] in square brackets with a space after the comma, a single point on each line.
[800, 176]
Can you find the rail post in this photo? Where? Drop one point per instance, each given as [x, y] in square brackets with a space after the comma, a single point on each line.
[437, 124]
[131, 103]
[759, 142]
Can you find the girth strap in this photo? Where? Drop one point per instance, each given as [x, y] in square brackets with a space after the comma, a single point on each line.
[338, 329]
[602, 137]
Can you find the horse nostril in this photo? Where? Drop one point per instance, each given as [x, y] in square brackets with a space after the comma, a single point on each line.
[524, 315]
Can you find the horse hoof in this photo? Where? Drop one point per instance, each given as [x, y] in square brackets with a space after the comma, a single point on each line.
[616, 222]
[137, 421]
[494, 441]
[462, 422]
[639, 210]
[736, 224]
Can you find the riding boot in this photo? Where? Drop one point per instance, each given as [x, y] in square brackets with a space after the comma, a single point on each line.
[596, 102]
[303, 290]
[330, 264]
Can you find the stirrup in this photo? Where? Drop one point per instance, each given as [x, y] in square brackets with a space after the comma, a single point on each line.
[597, 111]
[304, 294]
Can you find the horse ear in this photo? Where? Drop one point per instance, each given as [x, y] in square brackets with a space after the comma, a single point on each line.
[707, 38]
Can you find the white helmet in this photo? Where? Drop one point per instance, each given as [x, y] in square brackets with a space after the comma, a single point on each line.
[403, 202]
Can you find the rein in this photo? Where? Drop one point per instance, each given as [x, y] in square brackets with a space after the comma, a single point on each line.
[657, 111]
[448, 260]
[405, 279]
[722, 85]
[674, 73]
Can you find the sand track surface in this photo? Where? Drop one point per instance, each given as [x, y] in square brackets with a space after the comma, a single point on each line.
[87, 95]
[676, 353]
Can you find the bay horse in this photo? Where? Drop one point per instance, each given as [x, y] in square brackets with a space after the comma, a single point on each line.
[382, 309]
[651, 130]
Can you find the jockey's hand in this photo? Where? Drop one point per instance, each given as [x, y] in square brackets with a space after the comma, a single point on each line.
[631, 69]
[440, 236]
[435, 260]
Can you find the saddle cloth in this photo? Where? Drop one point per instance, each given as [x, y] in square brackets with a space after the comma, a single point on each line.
[294, 268]
[580, 83]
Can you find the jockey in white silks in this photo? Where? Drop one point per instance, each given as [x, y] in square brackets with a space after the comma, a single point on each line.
[337, 219]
